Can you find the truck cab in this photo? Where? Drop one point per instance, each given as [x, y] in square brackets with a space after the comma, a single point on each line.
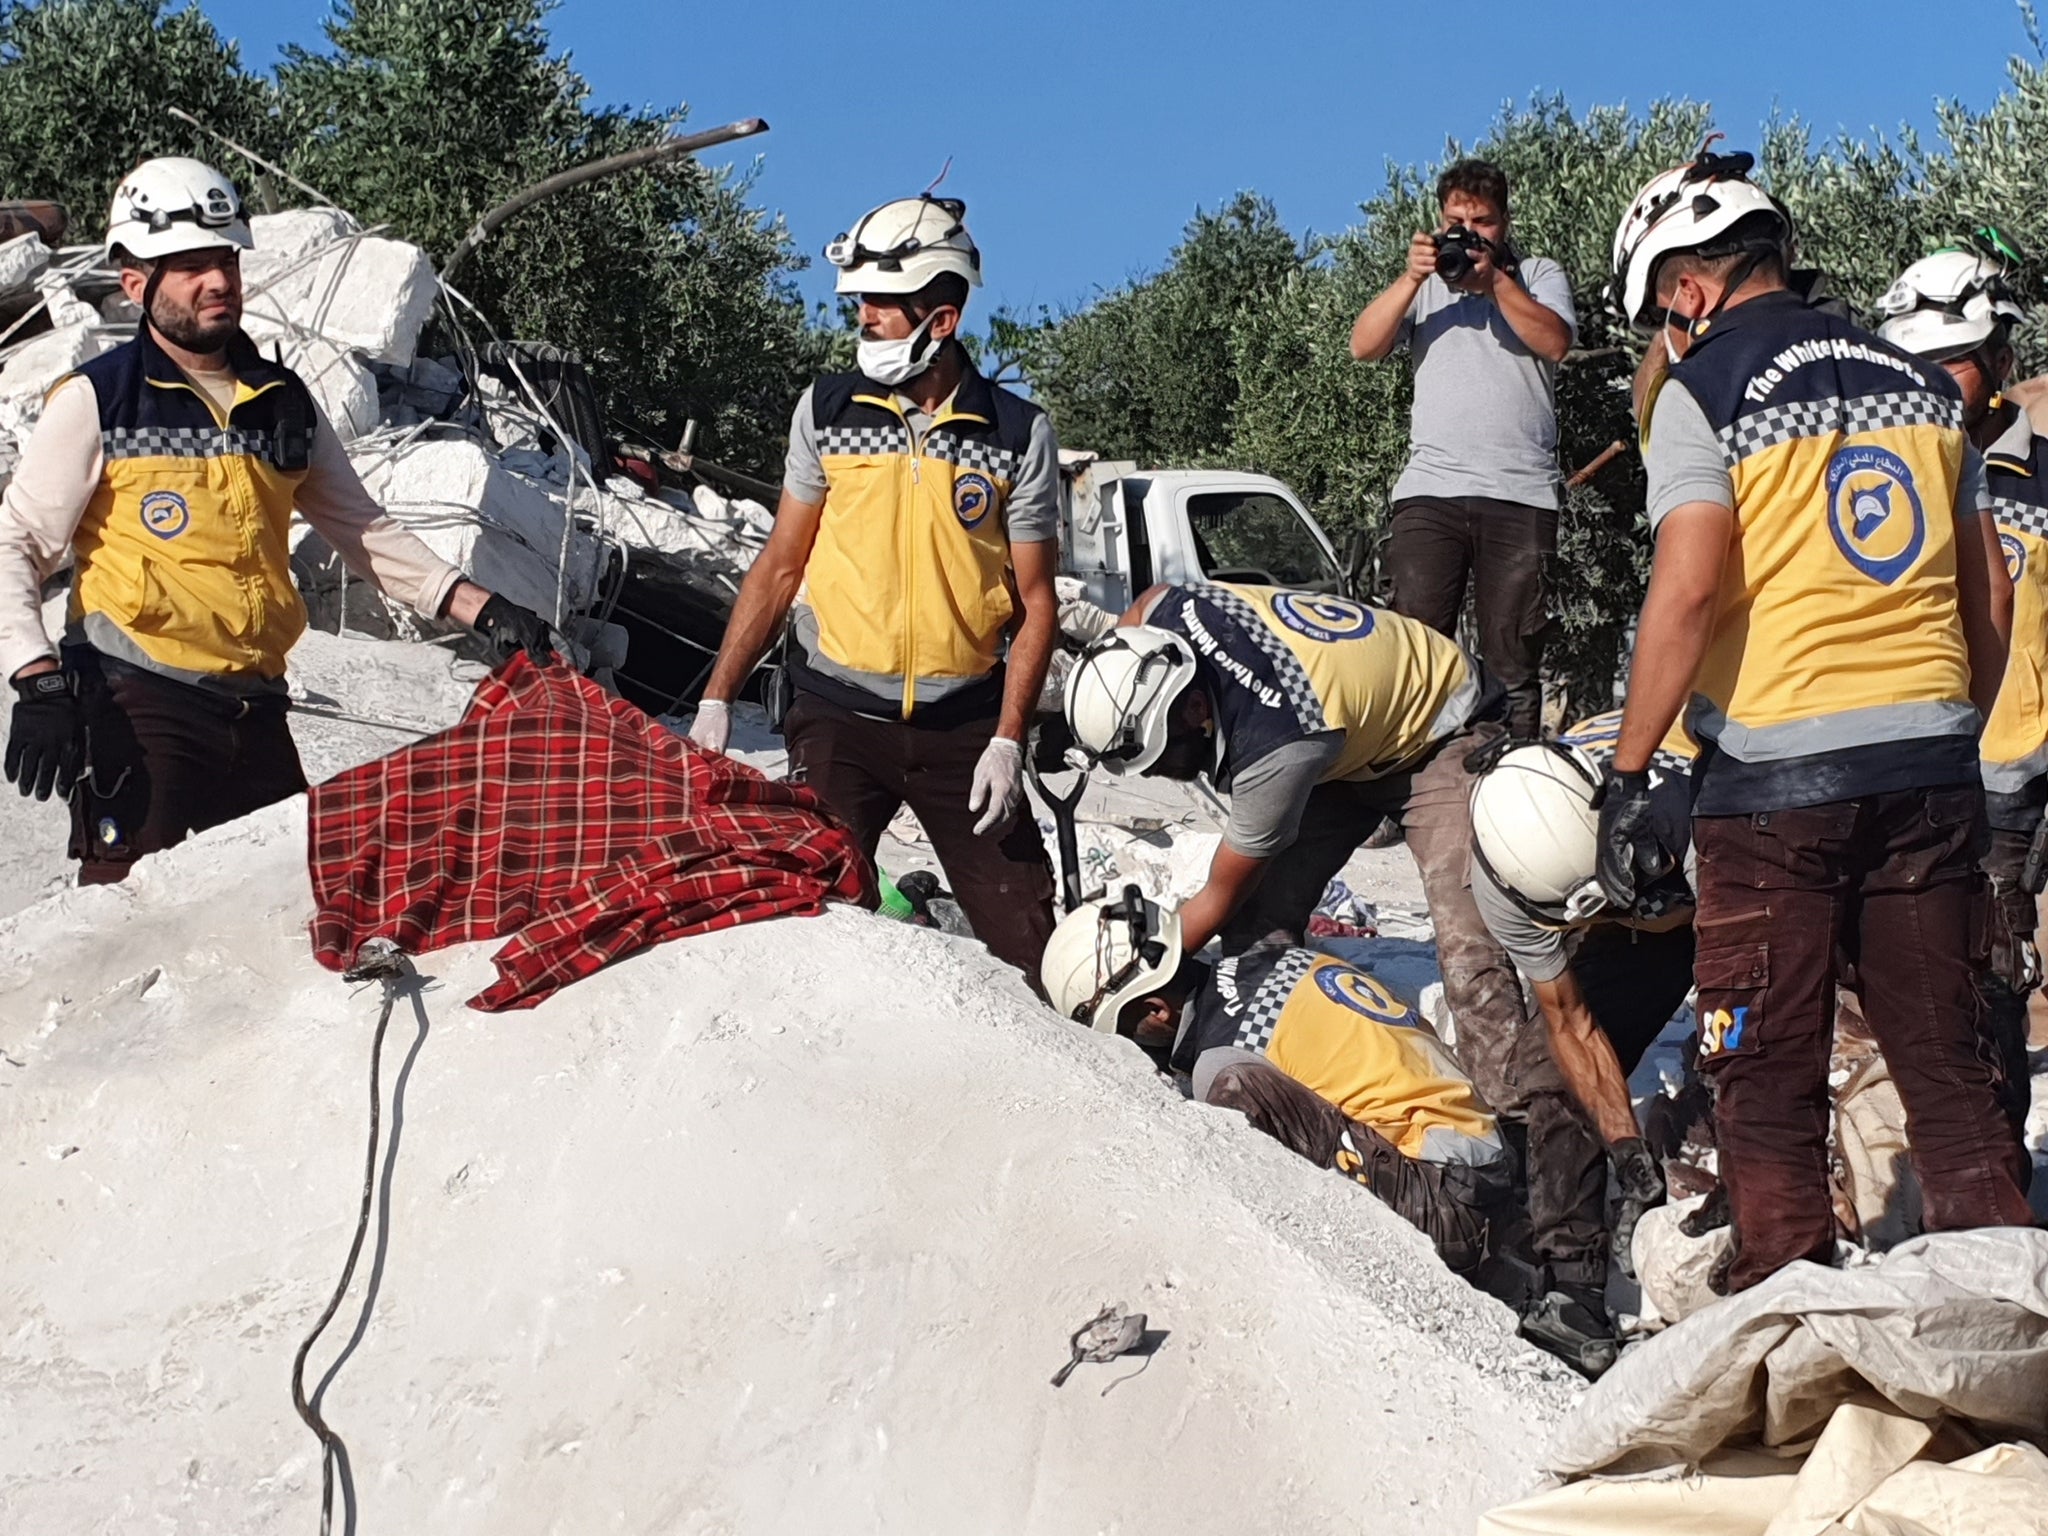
[1124, 529]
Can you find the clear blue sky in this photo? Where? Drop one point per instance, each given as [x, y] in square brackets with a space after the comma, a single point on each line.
[1084, 135]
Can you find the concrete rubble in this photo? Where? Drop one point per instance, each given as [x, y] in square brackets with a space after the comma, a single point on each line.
[469, 461]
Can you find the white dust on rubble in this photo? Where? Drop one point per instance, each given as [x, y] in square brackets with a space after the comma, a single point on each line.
[778, 1228]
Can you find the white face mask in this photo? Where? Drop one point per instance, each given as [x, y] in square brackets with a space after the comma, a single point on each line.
[891, 362]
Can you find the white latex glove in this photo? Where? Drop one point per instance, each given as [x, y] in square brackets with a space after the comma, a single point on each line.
[712, 727]
[1083, 622]
[998, 784]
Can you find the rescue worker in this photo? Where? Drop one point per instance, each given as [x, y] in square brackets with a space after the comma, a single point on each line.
[1955, 308]
[920, 518]
[1318, 717]
[1314, 1052]
[166, 472]
[1823, 607]
[1607, 980]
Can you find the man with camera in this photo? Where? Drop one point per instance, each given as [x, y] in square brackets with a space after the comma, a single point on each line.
[1486, 328]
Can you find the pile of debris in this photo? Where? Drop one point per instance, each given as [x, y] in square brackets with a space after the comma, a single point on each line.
[495, 455]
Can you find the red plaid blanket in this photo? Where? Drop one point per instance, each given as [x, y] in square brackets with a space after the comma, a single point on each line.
[571, 821]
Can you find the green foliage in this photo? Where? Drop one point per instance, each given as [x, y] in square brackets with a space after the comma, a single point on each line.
[83, 87]
[1289, 400]
[421, 116]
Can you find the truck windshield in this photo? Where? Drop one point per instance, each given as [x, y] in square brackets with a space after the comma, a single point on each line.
[1257, 537]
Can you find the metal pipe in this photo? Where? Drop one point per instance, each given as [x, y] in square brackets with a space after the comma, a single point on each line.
[575, 176]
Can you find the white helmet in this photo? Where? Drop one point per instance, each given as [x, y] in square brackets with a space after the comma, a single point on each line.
[1121, 695]
[1947, 305]
[1690, 208]
[1536, 832]
[174, 204]
[901, 246]
[1107, 953]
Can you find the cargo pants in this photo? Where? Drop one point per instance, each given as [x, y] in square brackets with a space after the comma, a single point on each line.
[165, 759]
[865, 770]
[1456, 1206]
[2013, 970]
[1432, 802]
[1889, 881]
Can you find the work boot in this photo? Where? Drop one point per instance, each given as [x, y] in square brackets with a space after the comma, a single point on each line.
[1388, 834]
[1571, 1322]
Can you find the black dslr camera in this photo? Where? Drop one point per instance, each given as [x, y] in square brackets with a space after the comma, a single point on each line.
[1455, 248]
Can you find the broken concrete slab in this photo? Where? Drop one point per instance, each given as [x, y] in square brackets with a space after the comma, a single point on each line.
[365, 292]
[22, 261]
[503, 527]
[344, 389]
[41, 362]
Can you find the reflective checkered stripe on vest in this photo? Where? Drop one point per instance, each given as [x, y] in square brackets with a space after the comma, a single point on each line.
[1283, 665]
[184, 546]
[2015, 741]
[910, 578]
[1341, 1033]
[1837, 625]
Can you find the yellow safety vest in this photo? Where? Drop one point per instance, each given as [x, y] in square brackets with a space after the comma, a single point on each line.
[184, 545]
[909, 580]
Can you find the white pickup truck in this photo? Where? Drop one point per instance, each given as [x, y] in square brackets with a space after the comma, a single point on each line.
[1123, 528]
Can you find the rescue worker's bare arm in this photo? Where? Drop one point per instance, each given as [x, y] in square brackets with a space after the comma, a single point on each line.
[1033, 639]
[1586, 1058]
[1377, 329]
[1677, 623]
[1984, 598]
[766, 594]
[51, 488]
[1232, 877]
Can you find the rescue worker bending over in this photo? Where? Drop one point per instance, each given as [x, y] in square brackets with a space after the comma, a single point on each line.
[1955, 308]
[1608, 980]
[920, 518]
[1318, 717]
[1315, 1053]
[1823, 606]
[166, 471]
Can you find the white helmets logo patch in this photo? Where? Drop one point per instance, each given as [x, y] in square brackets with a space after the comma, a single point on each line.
[1327, 619]
[1361, 994]
[1874, 512]
[973, 496]
[165, 514]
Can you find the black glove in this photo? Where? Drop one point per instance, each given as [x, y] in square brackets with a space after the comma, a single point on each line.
[510, 628]
[1711, 1216]
[1631, 854]
[45, 745]
[1642, 1186]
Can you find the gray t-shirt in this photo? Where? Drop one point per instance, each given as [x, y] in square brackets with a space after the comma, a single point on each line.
[1684, 462]
[1030, 516]
[1485, 418]
[1540, 952]
[1267, 799]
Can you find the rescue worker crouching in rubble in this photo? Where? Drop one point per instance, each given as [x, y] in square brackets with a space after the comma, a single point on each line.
[1316, 1053]
[919, 516]
[1955, 308]
[1824, 604]
[167, 471]
[1317, 716]
[1607, 980]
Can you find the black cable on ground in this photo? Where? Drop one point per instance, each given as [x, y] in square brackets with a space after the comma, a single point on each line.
[378, 960]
